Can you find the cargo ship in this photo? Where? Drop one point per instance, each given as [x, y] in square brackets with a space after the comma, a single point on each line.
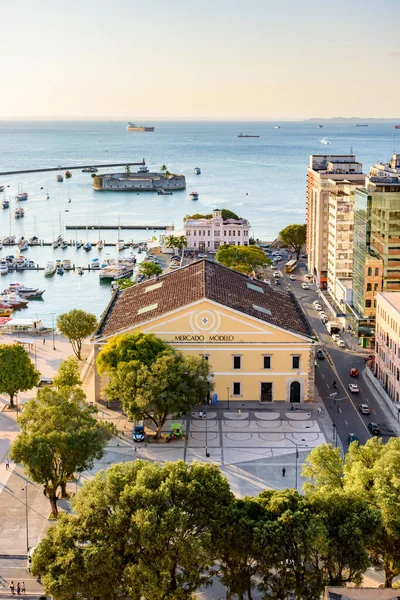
[133, 127]
[242, 135]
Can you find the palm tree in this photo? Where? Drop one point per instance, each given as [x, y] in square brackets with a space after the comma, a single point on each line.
[164, 169]
[127, 170]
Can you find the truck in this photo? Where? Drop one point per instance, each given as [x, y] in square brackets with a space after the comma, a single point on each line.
[332, 327]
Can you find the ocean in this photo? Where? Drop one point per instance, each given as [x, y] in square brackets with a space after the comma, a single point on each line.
[262, 179]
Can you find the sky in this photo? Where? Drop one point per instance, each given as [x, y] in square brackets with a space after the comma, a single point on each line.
[203, 59]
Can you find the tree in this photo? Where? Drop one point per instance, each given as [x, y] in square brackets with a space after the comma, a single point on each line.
[176, 242]
[68, 375]
[124, 284]
[17, 372]
[164, 169]
[228, 214]
[127, 170]
[172, 384]
[294, 237]
[59, 436]
[139, 530]
[323, 469]
[76, 325]
[132, 350]
[241, 258]
[149, 268]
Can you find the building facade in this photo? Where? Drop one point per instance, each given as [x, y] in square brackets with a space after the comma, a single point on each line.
[208, 234]
[327, 176]
[255, 337]
[387, 343]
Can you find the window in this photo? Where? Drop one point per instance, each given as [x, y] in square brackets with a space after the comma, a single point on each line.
[375, 287]
[230, 233]
[369, 287]
[208, 243]
[267, 362]
[237, 362]
[224, 231]
[295, 362]
[204, 232]
[233, 233]
[369, 271]
[205, 356]
[236, 388]
[376, 272]
[194, 244]
[368, 304]
[194, 232]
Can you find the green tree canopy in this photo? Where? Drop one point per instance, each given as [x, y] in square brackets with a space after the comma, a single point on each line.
[123, 284]
[17, 372]
[140, 530]
[294, 237]
[241, 258]
[127, 170]
[225, 214]
[149, 268]
[176, 242]
[142, 348]
[59, 436]
[76, 325]
[68, 374]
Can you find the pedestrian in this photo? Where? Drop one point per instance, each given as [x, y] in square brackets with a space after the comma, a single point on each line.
[205, 414]
[283, 471]
[12, 588]
[18, 588]
[23, 587]
[291, 407]
[239, 412]
[44, 341]
[7, 464]
[139, 450]
[319, 410]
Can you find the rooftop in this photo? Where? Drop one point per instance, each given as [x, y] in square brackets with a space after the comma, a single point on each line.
[202, 279]
[392, 298]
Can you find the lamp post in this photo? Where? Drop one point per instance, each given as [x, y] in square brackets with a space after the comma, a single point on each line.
[205, 412]
[227, 393]
[54, 341]
[26, 514]
[335, 414]
[297, 458]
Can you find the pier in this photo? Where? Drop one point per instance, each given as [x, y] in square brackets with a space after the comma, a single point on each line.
[74, 168]
[105, 227]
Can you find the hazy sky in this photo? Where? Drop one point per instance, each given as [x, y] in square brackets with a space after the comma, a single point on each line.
[248, 59]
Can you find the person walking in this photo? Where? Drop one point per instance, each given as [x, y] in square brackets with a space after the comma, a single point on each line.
[23, 587]
[44, 341]
[319, 409]
[18, 588]
[12, 588]
[283, 471]
[7, 464]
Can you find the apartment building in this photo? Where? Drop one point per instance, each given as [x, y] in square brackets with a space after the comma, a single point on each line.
[387, 343]
[329, 174]
[210, 233]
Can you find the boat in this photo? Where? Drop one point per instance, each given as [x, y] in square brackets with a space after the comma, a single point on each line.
[324, 141]
[14, 300]
[8, 240]
[25, 292]
[2, 188]
[94, 263]
[114, 272]
[23, 244]
[50, 269]
[120, 245]
[242, 135]
[5, 203]
[100, 245]
[6, 311]
[79, 271]
[67, 174]
[63, 244]
[55, 244]
[197, 171]
[89, 170]
[67, 265]
[21, 197]
[134, 127]
[194, 196]
[59, 178]
[34, 241]
[320, 126]
[78, 244]
[60, 270]
[87, 246]
[361, 125]
[19, 213]
[277, 127]
[3, 267]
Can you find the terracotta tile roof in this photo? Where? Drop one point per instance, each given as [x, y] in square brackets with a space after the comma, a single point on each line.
[202, 279]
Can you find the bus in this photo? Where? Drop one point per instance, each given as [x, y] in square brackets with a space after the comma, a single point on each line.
[290, 266]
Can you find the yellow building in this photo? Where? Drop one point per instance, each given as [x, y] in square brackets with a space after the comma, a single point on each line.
[254, 336]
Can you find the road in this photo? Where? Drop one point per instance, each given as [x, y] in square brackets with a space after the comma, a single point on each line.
[348, 418]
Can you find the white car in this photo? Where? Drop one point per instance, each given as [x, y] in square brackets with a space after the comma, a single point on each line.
[341, 344]
[278, 258]
[316, 303]
[304, 286]
[202, 255]
[335, 337]
[275, 254]
[276, 273]
[292, 277]
[318, 307]
[353, 387]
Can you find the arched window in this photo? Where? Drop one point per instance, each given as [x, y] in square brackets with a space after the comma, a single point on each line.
[295, 391]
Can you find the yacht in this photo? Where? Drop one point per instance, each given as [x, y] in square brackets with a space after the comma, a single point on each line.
[197, 171]
[25, 292]
[14, 300]
[324, 141]
[59, 178]
[3, 267]
[19, 213]
[277, 127]
[67, 174]
[194, 196]
[8, 240]
[87, 246]
[116, 271]
[67, 265]
[100, 245]
[50, 269]
[21, 197]
[95, 263]
[89, 170]
[5, 203]
[120, 245]
[34, 241]
[63, 244]
[23, 244]
[55, 244]
[78, 244]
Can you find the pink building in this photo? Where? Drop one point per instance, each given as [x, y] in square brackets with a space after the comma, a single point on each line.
[387, 343]
[209, 234]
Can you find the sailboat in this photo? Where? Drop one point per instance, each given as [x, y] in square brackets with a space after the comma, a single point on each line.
[100, 243]
[87, 245]
[47, 192]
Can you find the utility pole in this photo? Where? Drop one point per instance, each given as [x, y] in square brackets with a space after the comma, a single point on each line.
[26, 515]
[54, 341]
[227, 392]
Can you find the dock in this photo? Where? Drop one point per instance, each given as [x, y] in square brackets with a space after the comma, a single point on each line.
[73, 168]
[105, 227]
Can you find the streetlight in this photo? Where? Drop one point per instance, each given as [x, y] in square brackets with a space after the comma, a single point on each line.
[205, 412]
[227, 392]
[335, 414]
[26, 514]
[54, 342]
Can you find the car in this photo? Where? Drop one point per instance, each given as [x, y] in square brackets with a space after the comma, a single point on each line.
[174, 266]
[341, 344]
[316, 302]
[320, 354]
[304, 286]
[364, 409]
[277, 282]
[353, 372]
[352, 438]
[304, 256]
[276, 274]
[353, 387]
[292, 277]
[317, 307]
[276, 254]
[45, 381]
[324, 319]
[335, 337]
[29, 558]
[323, 314]
[370, 357]
[278, 258]
[374, 429]
[202, 255]
[309, 276]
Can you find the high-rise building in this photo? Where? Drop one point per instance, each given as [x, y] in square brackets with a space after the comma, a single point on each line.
[376, 260]
[329, 174]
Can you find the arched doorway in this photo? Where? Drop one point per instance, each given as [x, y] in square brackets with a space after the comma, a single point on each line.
[295, 389]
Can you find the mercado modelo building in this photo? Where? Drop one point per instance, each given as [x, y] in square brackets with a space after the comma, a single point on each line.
[255, 337]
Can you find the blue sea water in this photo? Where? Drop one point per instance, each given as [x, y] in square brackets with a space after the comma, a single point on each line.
[262, 179]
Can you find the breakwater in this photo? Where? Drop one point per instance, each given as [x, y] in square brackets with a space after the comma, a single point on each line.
[72, 168]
